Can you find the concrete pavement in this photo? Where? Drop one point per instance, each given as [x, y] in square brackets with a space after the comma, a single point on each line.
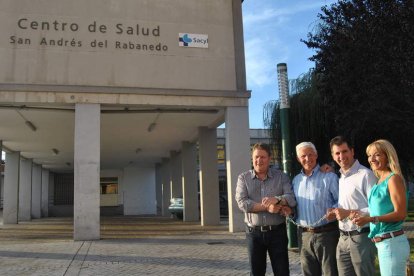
[129, 246]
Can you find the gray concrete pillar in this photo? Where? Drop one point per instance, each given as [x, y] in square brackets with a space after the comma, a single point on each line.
[45, 193]
[36, 190]
[87, 170]
[11, 188]
[1, 178]
[190, 186]
[51, 188]
[209, 185]
[237, 159]
[25, 190]
[158, 188]
[166, 186]
[176, 174]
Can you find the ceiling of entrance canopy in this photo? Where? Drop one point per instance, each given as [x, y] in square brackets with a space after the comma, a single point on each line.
[129, 135]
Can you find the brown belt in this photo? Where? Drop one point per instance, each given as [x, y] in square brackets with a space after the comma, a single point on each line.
[324, 228]
[388, 236]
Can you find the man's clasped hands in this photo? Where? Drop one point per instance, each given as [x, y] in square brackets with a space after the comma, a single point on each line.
[356, 216]
[277, 206]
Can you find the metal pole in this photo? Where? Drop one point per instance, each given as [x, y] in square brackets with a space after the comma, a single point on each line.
[286, 149]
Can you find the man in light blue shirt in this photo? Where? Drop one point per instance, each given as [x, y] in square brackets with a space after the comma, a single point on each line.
[316, 192]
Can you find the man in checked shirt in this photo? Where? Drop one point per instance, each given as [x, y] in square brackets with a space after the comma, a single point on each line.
[265, 195]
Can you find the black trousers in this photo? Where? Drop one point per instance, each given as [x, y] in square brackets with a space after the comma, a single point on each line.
[275, 243]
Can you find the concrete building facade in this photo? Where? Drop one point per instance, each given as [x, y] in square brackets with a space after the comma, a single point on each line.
[119, 91]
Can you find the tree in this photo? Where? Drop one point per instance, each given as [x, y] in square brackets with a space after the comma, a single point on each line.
[308, 118]
[363, 83]
[365, 57]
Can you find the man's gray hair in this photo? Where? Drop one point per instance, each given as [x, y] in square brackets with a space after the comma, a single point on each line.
[305, 145]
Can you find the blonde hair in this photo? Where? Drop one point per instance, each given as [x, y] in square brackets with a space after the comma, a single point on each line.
[388, 149]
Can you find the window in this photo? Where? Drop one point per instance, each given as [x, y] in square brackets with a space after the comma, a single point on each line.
[63, 192]
[109, 185]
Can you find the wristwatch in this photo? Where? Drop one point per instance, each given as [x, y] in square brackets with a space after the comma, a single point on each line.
[279, 199]
[375, 220]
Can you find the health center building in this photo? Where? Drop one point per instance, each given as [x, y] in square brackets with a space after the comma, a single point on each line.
[116, 104]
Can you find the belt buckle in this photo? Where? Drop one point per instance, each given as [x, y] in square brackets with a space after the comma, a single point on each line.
[348, 233]
[263, 229]
[377, 239]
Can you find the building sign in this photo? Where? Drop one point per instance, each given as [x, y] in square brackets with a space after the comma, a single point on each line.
[128, 43]
[193, 40]
[57, 33]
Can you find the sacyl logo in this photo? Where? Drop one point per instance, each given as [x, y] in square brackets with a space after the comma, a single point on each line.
[193, 40]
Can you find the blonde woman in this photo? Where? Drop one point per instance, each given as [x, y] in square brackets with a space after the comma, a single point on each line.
[388, 208]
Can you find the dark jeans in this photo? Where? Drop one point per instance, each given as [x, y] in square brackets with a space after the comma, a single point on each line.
[275, 242]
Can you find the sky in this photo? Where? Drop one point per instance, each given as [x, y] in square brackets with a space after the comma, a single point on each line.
[272, 33]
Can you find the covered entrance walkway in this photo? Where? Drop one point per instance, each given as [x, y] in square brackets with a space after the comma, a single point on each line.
[116, 227]
[118, 104]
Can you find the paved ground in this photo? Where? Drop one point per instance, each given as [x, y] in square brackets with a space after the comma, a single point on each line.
[129, 246]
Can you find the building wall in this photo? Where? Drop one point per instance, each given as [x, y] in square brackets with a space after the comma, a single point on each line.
[139, 191]
[1, 190]
[136, 193]
[125, 43]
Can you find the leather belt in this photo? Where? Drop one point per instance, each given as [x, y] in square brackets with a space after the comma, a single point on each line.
[388, 236]
[266, 228]
[355, 232]
[324, 228]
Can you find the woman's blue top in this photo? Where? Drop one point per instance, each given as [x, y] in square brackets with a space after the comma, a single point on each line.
[379, 202]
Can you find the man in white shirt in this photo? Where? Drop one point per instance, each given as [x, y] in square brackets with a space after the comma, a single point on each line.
[355, 252]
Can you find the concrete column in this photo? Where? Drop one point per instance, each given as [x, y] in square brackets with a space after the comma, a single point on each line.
[190, 191]
[237, 159]
[36, 190]
[166, 186]
[87, 169]
[209, 185]
[45, 193]
[11, 188]
[176, 175]
[1, 178]
[25, 190]
[237, 126]
[158, 188]
[51, 188]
